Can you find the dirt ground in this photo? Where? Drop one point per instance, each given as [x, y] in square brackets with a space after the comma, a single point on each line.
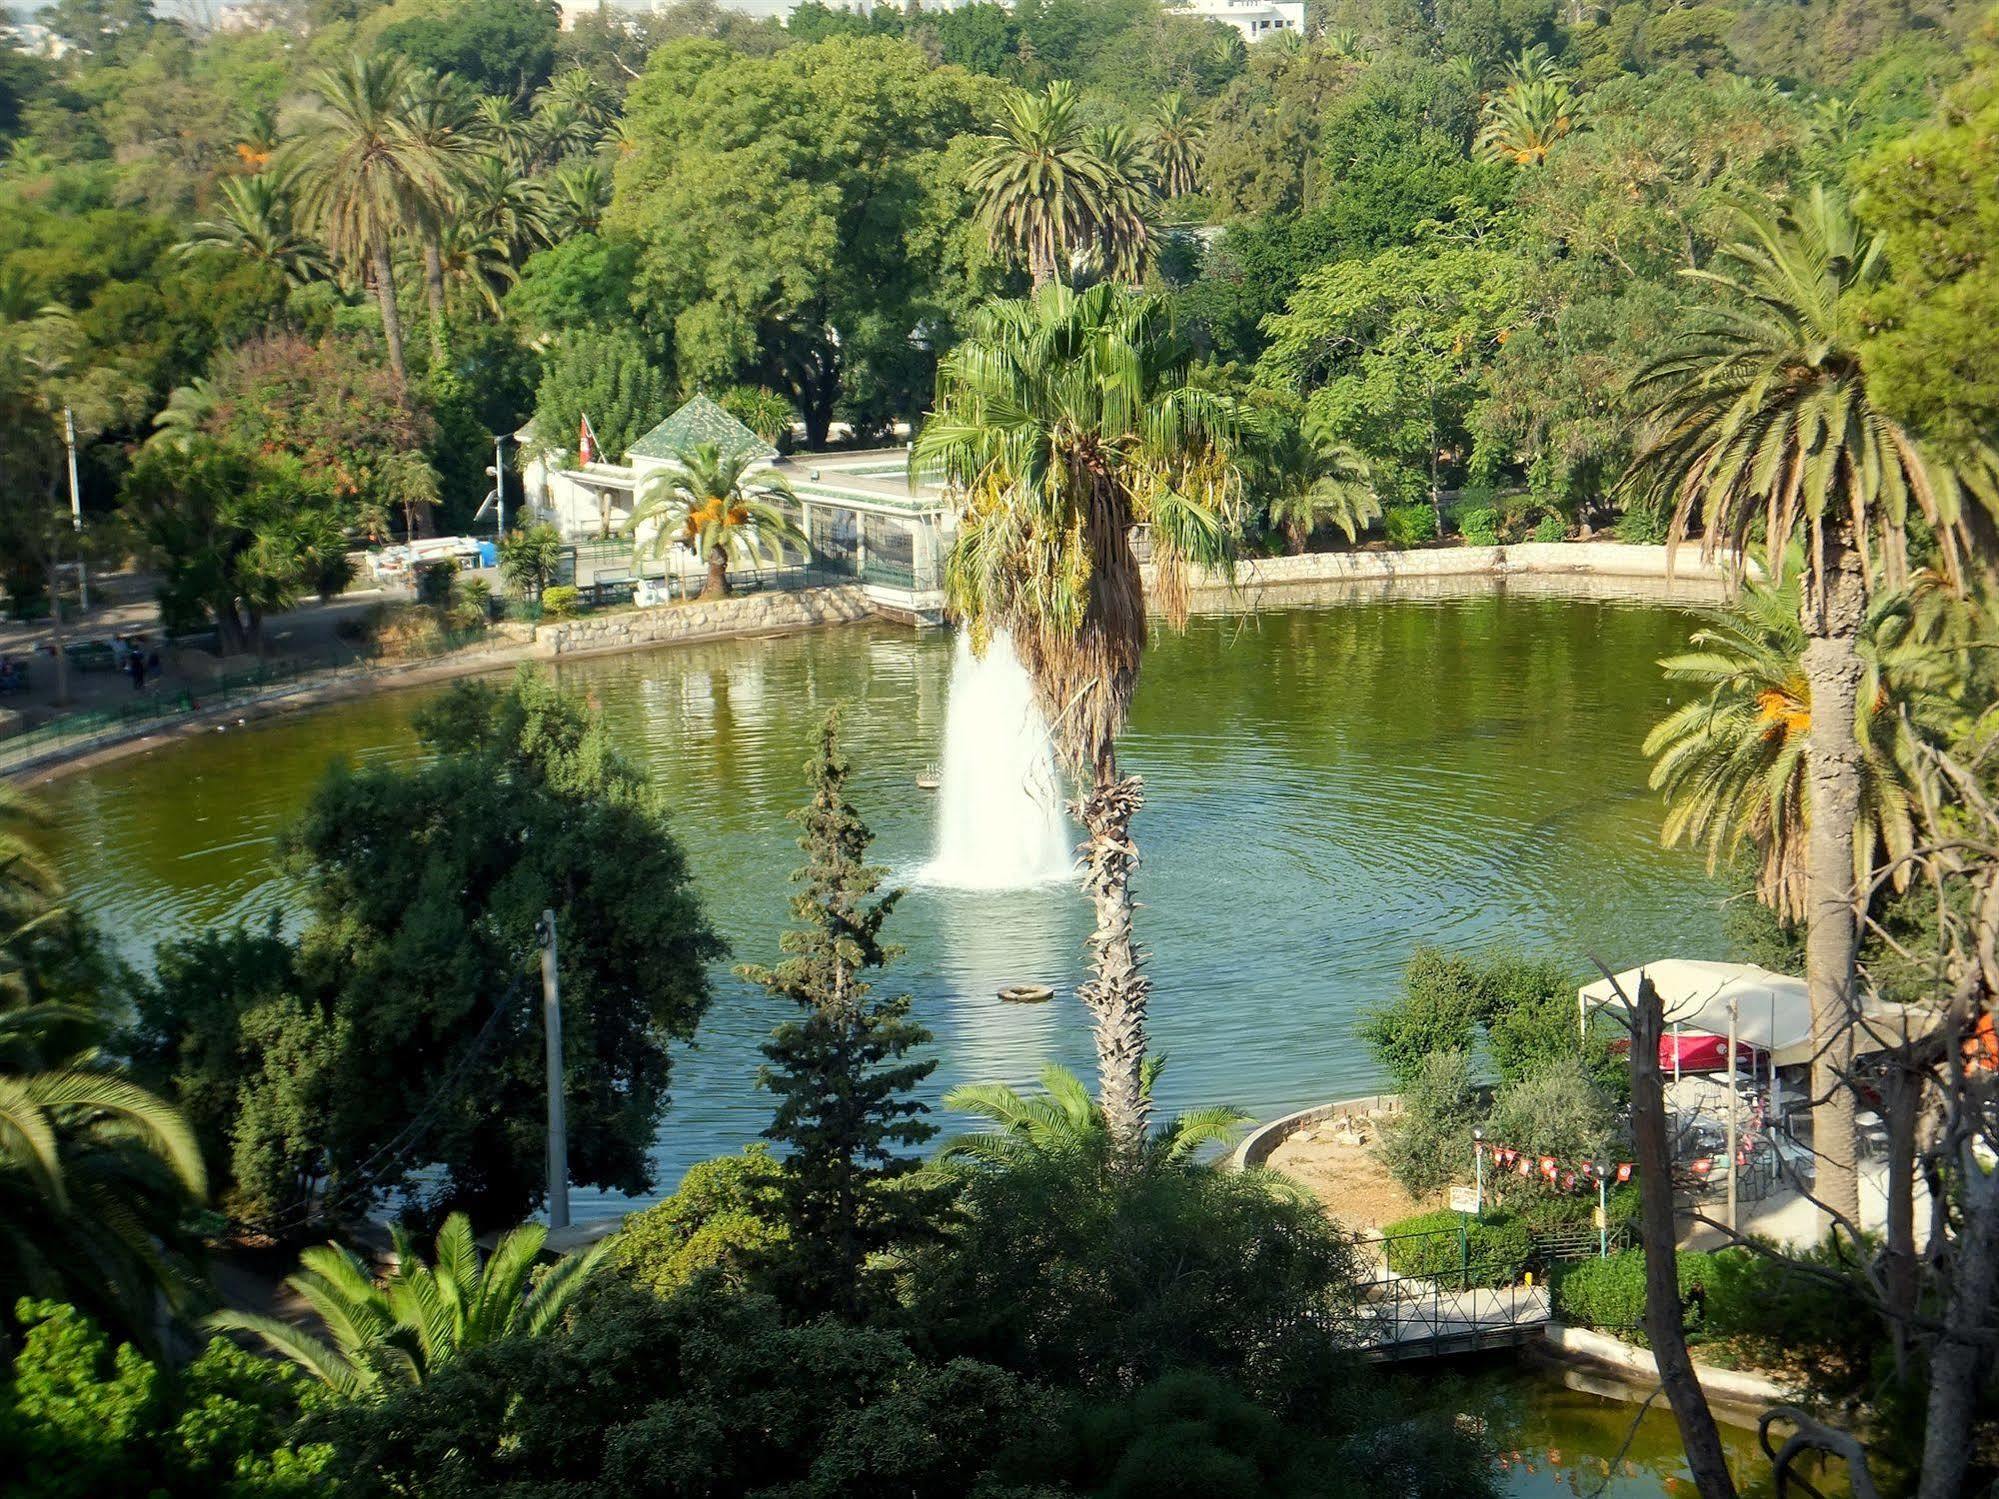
[1341, 1168]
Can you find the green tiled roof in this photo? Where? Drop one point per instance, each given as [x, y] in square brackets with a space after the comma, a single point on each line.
[699, 421]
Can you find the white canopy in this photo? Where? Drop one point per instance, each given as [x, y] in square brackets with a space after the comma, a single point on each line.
[1773, 1010]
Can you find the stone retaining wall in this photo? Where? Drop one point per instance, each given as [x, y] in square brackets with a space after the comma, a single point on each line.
[1736, 1386]
[1265, 1138]
[744, 614]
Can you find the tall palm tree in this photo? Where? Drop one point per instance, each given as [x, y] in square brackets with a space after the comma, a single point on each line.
[1067, 421]
[1040, 187]
[1524, 120]
[179, 422]
[1177, 133]
[473, 263]
[1760, 416]
[1064, 1117]
[362, 171]
[441, 118]
[708, 501]
[1732, 762]
[507, 134]
[254, 219]
[577, 196]
[559, 131]
[583, 94]
[1127, 231]
[501, 201]
[401, 1330]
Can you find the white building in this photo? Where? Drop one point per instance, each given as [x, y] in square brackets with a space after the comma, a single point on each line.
[1257, 20]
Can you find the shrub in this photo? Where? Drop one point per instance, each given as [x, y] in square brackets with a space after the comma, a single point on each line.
[1456, 1248]
[434, 582]
[1428, 1145]
[1557, 1110]
[1610, 1293]
[1438, 1010]
[1479, 526]
[1409, 525]
[1550, 528]
[726, 1218]
[1073, 1268]
[563, 601]
[1646, 522]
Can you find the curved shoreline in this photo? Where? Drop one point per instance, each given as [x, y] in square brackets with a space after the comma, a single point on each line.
[1590, 569]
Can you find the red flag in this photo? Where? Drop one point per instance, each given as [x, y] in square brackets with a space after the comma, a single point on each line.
[1703, 1166]
[1548, 1167]
[1623, 1172]
[586, 442]
[1568, 1181]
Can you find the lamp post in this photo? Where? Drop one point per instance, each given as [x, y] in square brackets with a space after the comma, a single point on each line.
[1734, 1161]
[76, 510]
[1478, 1166]
[1602, 1168]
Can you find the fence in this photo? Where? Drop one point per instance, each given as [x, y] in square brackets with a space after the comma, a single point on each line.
[265, 682]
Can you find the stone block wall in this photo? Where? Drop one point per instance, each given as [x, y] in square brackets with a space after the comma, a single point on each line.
[745, 614]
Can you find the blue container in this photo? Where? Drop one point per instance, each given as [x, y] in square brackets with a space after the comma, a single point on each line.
[489, 554]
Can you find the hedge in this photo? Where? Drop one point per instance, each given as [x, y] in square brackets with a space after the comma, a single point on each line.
[1610, 1293]
[1457, 1249]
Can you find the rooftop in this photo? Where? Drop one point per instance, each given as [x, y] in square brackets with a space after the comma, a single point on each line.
[701, 420]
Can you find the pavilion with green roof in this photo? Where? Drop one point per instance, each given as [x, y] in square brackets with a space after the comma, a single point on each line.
[699, 421]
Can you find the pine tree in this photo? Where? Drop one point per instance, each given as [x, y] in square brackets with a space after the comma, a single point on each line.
[842, 1071]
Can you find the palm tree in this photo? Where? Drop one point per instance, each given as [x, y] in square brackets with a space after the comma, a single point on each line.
[1177, 134]
[96, 1174]
[1067, 421]
[401, 1330]
[582, 93]
[1314, 483]
[406, 481]
[1041, 188]
[530, 557]
[1064, 1117]
[506, 133]
[255, 220]
[558, 131]
[1525, 119]
[1733, 761]
[1127, 231]
[441, 118]
[1761, 416]
[257, 138]
[707, 501]
[1343, 43]
[578, 194]
[474, 262]
[362, 172]
[499, 201]
[180, 421]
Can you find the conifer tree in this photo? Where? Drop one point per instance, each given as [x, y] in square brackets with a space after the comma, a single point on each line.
[842, 1070]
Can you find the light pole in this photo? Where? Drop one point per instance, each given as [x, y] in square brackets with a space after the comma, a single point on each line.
[76, 510]
[499, 484]
[558, 1128]
[1478, 1166]
[1734, 1029]
[1602, 1169]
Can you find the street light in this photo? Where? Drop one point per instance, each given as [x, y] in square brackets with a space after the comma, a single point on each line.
[1478, 1165]
[1602, 1167]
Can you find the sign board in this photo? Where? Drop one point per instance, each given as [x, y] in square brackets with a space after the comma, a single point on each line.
[1464, 1199]
[1596, 1218]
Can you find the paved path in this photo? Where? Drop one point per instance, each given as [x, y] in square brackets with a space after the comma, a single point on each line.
[1406, 1319]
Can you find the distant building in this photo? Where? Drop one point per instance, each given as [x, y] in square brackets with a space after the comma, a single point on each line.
[1257, 20]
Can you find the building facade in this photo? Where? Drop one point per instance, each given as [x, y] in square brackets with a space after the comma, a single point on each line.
[1256, 20]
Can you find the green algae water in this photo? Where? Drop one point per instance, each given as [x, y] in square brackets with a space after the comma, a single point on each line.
[1326, 787]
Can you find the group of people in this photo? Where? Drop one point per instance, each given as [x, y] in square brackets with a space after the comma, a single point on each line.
[136, 659]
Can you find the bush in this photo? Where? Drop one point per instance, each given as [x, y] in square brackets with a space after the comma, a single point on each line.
[1071, 1268]
[1409, 525]
[1646, 522]
[1437, 1011]
[561, 602]
[726, 1218]
[1550, 528]
[1458, 1249]
[1558, 1110]
[1429, 1144]
[1480, 526]
[1610, 1293]
[435, 581]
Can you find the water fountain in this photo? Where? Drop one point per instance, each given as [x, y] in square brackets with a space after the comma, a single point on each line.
[1000, 823]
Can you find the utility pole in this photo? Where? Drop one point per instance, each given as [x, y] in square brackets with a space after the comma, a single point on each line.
[500, 484]
[1734, 1156]
[76, 509]
[558, 1128]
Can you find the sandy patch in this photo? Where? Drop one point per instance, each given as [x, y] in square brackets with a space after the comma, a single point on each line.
[1341, 1168]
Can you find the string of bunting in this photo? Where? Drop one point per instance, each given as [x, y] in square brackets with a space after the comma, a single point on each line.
[1525, 1163]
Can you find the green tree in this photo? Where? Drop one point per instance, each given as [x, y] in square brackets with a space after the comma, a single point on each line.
[842, 1070]
[254, 219]
[530, 557]
[236, 538]
[440, 119]
[1068, 420]
[1761, 417]
[361, 171]
[402, 1329]
[1042, 189]
[82, 1419]
[422, 889]
[708, 502]
[608, 377]
[1393, 352]
[1176, 132]
[498, 46]
[724, 1225]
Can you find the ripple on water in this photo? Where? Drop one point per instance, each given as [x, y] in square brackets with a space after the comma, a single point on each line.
[1325, 788]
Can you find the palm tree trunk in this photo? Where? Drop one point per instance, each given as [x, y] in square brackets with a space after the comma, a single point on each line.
[717, 586]
[1832, 933]
[433, 289]
[385, 293]
[1962, 1358]
[1041, 265]
[1116, 992]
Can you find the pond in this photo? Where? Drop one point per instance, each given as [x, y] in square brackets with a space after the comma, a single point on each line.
[1327, 787]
